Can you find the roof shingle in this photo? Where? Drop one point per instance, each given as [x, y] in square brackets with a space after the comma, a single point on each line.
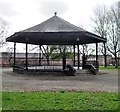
[54, 24]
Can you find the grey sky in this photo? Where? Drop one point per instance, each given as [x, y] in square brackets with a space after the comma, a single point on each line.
[47, 8]
[21, 14]
[4, 9]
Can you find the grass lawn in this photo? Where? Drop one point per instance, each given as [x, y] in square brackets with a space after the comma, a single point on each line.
[60, 100]
[108, 68]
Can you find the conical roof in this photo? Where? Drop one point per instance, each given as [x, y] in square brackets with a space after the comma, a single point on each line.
[54, 24]
[55, 31]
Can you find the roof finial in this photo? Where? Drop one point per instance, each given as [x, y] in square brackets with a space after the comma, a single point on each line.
[55, 13]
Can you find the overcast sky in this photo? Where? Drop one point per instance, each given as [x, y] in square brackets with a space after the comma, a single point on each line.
[21, 14]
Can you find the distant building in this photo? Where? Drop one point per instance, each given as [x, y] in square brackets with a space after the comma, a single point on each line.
[92, 58]
[6, 59]
[113, 61]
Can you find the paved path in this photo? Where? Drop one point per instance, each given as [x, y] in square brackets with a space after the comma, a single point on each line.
[108, 81]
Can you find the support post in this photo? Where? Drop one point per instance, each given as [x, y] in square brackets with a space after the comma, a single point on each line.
[78, 57]
[47, 55]
[83, 58]
[26, 56]
[97, 63]
[74, 55]
[14, 55]
[105, 56]
[64, 59]
[40, 55]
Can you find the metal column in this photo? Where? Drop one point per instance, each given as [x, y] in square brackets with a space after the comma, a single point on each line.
[74, 55]
[40, 55]
[14, 55]
[64, 58]
[78, 57]
[97, 63]
[26, 56]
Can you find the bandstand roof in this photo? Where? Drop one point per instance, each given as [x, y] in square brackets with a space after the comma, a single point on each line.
[55, 31]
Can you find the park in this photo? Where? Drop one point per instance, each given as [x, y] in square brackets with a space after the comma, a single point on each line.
[80, 92]
[63, 67]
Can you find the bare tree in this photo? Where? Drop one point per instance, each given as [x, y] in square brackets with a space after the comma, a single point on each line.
[112, 35]
[100, 21]
[86, 54]
[3, 32]
[106, 22]
[8, 55]
[118, 26]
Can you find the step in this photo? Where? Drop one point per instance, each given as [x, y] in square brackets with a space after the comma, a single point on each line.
[83, 71]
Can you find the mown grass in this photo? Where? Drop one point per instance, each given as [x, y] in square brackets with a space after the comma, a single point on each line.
[108, 68]
[59, 101]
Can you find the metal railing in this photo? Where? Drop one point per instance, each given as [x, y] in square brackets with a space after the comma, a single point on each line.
[92, 68]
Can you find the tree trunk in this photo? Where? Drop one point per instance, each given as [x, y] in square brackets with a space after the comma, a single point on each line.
[116, 61]
[105, 57]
